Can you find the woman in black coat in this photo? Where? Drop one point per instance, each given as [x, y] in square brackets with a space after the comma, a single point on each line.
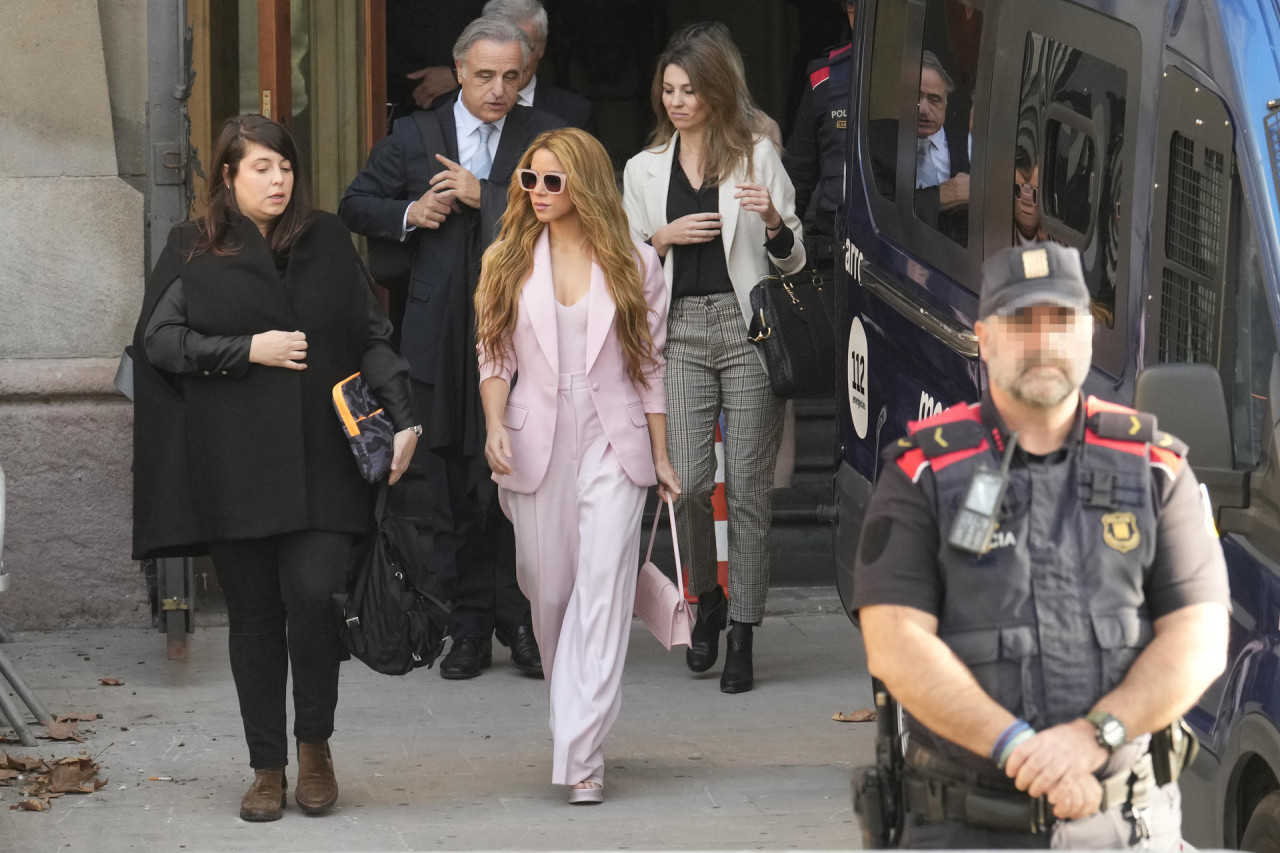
[252, 314]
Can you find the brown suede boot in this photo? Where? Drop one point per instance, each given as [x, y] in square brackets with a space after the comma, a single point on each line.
[317, 789]
[265, 798]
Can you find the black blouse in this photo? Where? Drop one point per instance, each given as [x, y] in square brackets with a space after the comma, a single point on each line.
[700, 269]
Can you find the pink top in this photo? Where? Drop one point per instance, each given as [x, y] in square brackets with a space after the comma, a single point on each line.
[571, 336]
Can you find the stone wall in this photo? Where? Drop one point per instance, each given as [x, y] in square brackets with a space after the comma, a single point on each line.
[72, 153]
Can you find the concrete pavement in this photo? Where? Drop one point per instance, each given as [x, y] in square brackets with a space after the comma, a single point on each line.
[425, 764]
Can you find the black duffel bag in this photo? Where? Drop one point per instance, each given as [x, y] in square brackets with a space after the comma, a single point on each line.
[793, 322]
[389, 617]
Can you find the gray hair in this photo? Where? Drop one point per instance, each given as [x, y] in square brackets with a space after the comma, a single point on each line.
[518, 12]
[495, 30]
[929, 59]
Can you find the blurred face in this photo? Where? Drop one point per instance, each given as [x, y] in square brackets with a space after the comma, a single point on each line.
[490, 77]
[1025, 190]
[685, 109]
[535, 56]
[263, 184]
[548, 206]
[932, 104]
[1040, 355]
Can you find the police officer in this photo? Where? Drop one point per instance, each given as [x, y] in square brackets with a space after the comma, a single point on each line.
[814, 156]
[1039, 623]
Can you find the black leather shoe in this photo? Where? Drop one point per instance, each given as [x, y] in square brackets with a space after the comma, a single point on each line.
[467, 657]
[704, 648]
[524, 648]
[737, 676]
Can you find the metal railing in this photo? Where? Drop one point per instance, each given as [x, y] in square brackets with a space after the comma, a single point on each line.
[9, 677]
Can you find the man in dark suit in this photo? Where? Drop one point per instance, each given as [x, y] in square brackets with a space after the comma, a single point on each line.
[942, 155]
[439, 182]
[530, 16]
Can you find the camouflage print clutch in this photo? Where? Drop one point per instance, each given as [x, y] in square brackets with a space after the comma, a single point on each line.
[367, 427]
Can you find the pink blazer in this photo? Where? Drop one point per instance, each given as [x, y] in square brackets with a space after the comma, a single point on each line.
[530, 416]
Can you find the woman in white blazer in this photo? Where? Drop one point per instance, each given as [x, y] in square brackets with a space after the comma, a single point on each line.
[714, 201]
[575, 311]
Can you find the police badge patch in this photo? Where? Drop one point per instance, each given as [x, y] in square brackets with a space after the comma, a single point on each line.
[1120, 531]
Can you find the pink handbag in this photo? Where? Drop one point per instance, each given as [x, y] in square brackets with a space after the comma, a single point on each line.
[659, 603]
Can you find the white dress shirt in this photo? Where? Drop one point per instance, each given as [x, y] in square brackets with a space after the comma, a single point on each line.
[933, 160]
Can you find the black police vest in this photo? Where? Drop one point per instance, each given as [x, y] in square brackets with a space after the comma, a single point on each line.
[1054, 614]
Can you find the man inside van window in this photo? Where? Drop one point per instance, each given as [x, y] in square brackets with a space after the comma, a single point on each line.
[1040, 584]
[942, 159]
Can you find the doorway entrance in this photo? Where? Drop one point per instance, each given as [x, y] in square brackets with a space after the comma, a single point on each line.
[316, 66]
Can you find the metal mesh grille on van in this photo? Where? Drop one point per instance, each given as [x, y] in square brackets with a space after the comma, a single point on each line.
[1193, 229]
[1188, 320]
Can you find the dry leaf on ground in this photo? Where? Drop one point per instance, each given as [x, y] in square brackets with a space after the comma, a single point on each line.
[62, 731]
[22, 763]
[111, 682]
[74, 777]
[78, 716]
[40, 804]
[862, 715]
[46, 781]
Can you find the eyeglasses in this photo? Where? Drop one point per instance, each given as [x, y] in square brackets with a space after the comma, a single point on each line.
[1033, 193]
[552, 182]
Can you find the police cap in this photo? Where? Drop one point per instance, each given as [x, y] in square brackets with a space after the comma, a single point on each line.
[1036, 274]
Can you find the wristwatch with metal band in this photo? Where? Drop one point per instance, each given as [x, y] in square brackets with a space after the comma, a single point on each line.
[1110, 732]
[416, 429]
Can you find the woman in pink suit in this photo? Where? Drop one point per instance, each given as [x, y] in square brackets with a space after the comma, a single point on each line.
[571, 305]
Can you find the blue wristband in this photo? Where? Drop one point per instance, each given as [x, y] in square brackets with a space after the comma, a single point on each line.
[1025, 735]
[1014, 729]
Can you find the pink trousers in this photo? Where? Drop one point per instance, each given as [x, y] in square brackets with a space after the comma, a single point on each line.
[577, 547]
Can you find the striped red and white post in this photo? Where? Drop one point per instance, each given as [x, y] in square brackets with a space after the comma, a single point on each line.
[720, 512]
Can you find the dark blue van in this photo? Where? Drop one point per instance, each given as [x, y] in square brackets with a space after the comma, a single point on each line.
[1147, 135]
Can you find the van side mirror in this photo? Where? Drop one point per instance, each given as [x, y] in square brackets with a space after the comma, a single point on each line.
[1187, 401]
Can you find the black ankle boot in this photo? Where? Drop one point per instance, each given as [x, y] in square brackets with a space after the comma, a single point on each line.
[713, 613]
[737, 676]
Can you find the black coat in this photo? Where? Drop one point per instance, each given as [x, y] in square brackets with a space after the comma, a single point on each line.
[574, 109]
[221, 457]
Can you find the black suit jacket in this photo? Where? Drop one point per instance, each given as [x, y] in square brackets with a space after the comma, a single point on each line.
[399, 171]
[574, 109]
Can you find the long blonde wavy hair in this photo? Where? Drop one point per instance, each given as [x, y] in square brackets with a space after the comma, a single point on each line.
[718, 82]
[508, 263]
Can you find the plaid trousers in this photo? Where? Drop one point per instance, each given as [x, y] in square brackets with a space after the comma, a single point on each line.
[711, 366]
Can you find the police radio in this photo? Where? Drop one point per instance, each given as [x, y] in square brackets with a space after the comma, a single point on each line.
[980, 510]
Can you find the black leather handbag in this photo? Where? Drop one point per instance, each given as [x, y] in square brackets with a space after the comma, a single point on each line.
[389, 616]
[793, 322]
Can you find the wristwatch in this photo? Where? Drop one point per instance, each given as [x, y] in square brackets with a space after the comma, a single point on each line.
[1110, 732]
[416, 429]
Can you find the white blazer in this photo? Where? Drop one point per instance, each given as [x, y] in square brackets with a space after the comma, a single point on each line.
[644, 195]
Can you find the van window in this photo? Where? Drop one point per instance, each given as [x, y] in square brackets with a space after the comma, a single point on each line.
[1249, 393]
[944, 124]
[882, 97]
[1068, 155]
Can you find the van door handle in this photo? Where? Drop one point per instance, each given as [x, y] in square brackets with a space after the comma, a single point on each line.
[907, 302]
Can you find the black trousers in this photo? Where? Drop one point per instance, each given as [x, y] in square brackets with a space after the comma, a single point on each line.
[474, 541]
[279, 601]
